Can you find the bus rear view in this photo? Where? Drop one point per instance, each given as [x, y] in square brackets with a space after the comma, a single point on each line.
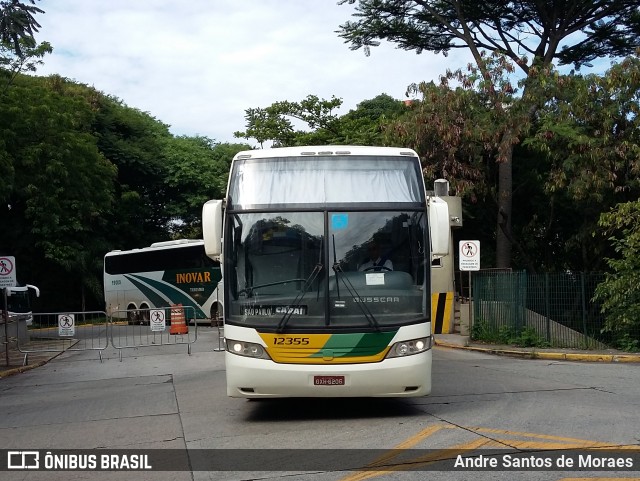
[326, 261]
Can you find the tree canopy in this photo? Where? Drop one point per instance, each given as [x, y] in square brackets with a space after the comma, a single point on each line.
[532, 34]
[83, 174]
[521, 29]
[18, 24]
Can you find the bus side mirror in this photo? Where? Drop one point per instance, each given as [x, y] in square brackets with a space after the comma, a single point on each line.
[212, 228]
[439, 226]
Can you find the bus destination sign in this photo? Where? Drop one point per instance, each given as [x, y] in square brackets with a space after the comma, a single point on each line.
[272, 310]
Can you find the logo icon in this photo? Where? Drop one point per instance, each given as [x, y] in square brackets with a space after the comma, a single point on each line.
[23, 460]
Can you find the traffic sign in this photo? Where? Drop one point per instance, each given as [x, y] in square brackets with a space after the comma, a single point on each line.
[157, 321]
[469, 255]
[66, 325]
[8, 271]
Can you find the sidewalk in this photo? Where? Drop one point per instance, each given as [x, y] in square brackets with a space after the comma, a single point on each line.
[457, 341]
[20, 361]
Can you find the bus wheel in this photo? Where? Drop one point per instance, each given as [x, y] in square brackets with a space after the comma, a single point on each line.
[131, 316]
[144, 317]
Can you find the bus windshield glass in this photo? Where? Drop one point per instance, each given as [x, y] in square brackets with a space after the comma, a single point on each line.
[19, 302]
[327, 269]
[324, 180]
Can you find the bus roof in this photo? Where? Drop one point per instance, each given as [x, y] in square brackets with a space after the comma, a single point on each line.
[177, 242]
[325, 150]
[172, 244]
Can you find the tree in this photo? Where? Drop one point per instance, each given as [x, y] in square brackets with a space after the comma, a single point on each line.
[134, 142]
[274, 123]
[58, 193]
[620, 291]
[11, 64]
[544, 31]
[18, 24]
[361, 126]
[197, 170]
[589, 130]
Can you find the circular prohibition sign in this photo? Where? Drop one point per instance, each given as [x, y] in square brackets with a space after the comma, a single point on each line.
[6, 266]
[469, 249]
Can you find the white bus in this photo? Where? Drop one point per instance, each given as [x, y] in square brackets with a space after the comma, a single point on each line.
[164, 274]
[303, 315]
[18, 300]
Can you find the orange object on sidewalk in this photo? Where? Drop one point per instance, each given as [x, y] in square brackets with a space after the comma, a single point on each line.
[178, 320]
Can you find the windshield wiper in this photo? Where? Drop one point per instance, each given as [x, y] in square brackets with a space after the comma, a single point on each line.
[296, 302]
[249, 289]
[310, 280]
[337, 268]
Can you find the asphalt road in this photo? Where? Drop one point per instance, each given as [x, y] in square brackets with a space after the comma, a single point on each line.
[161, 397]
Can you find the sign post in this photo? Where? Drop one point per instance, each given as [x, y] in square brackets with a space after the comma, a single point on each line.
[469, 260]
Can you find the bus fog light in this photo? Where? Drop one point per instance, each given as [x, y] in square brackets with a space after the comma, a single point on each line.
[410, 347]
[248, 349]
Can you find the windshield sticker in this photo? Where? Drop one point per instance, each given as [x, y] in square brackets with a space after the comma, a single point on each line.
[339, 221]
[264, 311]
[374, 279]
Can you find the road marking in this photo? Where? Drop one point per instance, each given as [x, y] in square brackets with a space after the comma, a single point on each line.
[572, 442]
[599, 479]
[446, 453]
[535, 441]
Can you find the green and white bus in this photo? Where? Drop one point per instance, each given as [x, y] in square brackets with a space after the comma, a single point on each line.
[308, 313]
[164, 274]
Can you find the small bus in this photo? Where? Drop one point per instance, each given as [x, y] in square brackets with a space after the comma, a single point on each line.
[19, 302]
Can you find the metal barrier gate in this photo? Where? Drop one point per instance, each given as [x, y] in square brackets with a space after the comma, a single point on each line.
[154, 327]
[65, 331]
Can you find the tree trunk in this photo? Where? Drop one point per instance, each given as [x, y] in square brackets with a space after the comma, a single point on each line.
[505, 198]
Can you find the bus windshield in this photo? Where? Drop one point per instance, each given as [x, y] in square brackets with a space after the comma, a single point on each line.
[331, 270]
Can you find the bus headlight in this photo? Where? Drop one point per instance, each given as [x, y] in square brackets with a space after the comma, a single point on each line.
[249, 349]
[409, 348]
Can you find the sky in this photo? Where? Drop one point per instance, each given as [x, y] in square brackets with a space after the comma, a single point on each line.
[197, 65]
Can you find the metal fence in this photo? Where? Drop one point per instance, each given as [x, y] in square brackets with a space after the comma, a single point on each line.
[559, 308]
[69, 331]
[159, 327]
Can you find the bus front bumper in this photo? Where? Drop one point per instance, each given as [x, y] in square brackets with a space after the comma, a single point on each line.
[408, 376]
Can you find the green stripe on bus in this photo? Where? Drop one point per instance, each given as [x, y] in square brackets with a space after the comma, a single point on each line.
[356, 345]
[149, 293]
[174, 295]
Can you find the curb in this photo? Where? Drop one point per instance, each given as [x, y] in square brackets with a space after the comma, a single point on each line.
[18, 370]
[554, 356]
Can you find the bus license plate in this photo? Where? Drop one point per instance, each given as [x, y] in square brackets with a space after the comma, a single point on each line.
[328, 380]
